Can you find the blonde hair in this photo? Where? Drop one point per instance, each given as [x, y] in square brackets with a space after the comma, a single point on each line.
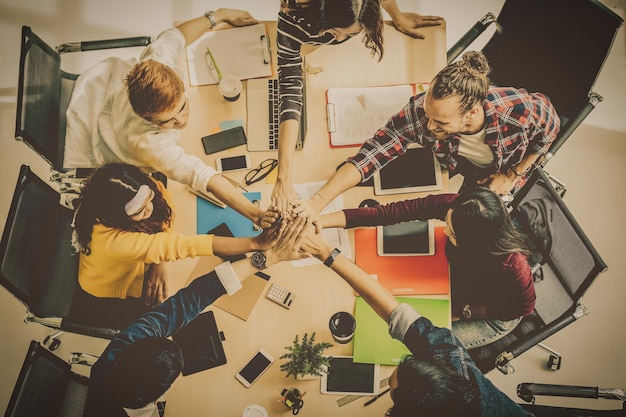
[153, 88]
[466, 79]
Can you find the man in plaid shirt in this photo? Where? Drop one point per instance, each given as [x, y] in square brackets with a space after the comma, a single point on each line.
[493, 136]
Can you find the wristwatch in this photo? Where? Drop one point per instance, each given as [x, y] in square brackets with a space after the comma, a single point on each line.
[331, 258]
[258, 260]
[467, 312]
[211, 16]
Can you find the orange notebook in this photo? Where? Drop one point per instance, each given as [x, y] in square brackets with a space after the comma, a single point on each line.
[404, 275]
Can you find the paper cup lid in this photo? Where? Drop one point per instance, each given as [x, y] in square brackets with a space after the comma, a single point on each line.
[254, 411]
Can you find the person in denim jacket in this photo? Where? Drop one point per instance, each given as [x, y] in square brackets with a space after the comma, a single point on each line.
[439, 377]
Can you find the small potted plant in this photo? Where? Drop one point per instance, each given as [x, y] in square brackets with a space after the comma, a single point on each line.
[305, 357]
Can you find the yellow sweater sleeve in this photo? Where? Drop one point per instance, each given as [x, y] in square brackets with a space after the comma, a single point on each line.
[116, 265]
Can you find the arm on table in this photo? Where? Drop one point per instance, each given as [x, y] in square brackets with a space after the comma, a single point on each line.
[407, 22]
[194, 28]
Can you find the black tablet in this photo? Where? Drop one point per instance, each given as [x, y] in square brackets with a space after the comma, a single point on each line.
[201, 343]
[415, 171]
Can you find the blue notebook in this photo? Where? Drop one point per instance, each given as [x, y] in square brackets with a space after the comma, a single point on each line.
[210, 216]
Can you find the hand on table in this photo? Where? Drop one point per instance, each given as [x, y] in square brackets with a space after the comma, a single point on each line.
[408, 22]
[155, 284]
[235, 17]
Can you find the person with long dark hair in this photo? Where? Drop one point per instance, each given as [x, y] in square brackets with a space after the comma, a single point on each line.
[323, 22]
[491, 284]
[123, 233]
[438, 377]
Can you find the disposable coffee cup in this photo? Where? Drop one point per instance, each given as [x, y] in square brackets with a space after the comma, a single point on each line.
[342, 325]
[230, 87]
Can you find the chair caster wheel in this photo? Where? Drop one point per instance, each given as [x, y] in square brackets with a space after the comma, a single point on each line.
[554, 363]
[53, 344]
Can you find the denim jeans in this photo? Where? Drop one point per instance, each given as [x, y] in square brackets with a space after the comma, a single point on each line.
[477, 333]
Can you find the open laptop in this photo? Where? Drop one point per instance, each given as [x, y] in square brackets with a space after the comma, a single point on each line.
[262, 107]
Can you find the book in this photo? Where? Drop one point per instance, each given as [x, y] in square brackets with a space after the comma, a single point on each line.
[356, 113]
[404, 275]
[372, 342]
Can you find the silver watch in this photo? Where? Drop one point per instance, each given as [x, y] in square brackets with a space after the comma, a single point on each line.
[258, 260]
[211, 16]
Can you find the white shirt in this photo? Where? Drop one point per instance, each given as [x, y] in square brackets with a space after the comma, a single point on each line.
[474, 148]
[102, 126]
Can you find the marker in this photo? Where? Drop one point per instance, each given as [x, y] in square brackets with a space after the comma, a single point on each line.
[376, 397]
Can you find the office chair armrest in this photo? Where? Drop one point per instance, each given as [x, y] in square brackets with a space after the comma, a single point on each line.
[571, 125]
[470, 36]
[527, 391]
[532, 339]
[103, 44]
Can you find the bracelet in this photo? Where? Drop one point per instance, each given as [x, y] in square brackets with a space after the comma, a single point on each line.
[322, 197]
[211, 16]
[517, 174]
[331, 258]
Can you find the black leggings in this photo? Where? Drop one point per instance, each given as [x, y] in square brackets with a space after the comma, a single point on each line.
[114, 313]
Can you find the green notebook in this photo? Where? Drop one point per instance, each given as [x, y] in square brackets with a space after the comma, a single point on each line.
[372, 342]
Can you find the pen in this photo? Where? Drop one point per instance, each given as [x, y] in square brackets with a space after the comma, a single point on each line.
[215, 70]
[376, 397]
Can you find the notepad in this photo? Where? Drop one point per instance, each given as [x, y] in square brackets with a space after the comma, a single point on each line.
[241, 51]
[404, 275]
[201, 343]
[372, 342]
[209, 216]
[356, 113]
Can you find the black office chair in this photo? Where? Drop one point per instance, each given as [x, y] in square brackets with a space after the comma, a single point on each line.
[527, 392]
[47, 386]
[43, 95]
[39, 266]
[556, 47]
[565, 264]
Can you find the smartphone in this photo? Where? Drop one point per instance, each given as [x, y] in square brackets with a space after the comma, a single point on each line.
[254, 368]
[224, 140]
[233, 163]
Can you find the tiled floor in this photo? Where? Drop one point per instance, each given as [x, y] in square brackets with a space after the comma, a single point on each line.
[591, 165]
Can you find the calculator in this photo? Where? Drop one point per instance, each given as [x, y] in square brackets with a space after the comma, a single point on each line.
[280, 295]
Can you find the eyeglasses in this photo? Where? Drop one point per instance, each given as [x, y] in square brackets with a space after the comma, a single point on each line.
[257, 174]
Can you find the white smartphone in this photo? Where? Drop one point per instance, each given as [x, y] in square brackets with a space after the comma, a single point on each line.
[254, 368]
[233, 163]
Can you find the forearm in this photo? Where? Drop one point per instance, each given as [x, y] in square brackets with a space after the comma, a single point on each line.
[287, 136]
[335, 219]
[527, 162]
[229, 195]
[194, 28]
[227, 246]
[381, 300]
[346, 177]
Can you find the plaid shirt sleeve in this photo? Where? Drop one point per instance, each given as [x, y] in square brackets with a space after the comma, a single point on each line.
[545, 126]
[391, 141]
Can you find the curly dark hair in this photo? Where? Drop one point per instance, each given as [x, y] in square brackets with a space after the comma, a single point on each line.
[431, 387]
[103, 198]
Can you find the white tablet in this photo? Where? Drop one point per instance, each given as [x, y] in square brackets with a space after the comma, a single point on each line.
[415, 171]
[347, 377]
[414, 238]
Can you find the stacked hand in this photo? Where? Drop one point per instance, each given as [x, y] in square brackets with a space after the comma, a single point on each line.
[287, 247]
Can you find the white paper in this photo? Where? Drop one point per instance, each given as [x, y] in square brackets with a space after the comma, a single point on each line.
[355, 114]
[240, 51]
[336, 237]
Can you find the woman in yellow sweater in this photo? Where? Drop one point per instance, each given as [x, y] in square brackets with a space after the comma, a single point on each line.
[123, 232]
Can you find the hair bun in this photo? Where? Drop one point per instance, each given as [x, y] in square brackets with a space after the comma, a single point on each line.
[476, 62]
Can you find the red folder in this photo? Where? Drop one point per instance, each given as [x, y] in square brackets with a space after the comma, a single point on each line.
[404, 275]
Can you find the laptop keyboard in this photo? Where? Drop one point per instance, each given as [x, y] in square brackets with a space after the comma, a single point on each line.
[272, 88]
